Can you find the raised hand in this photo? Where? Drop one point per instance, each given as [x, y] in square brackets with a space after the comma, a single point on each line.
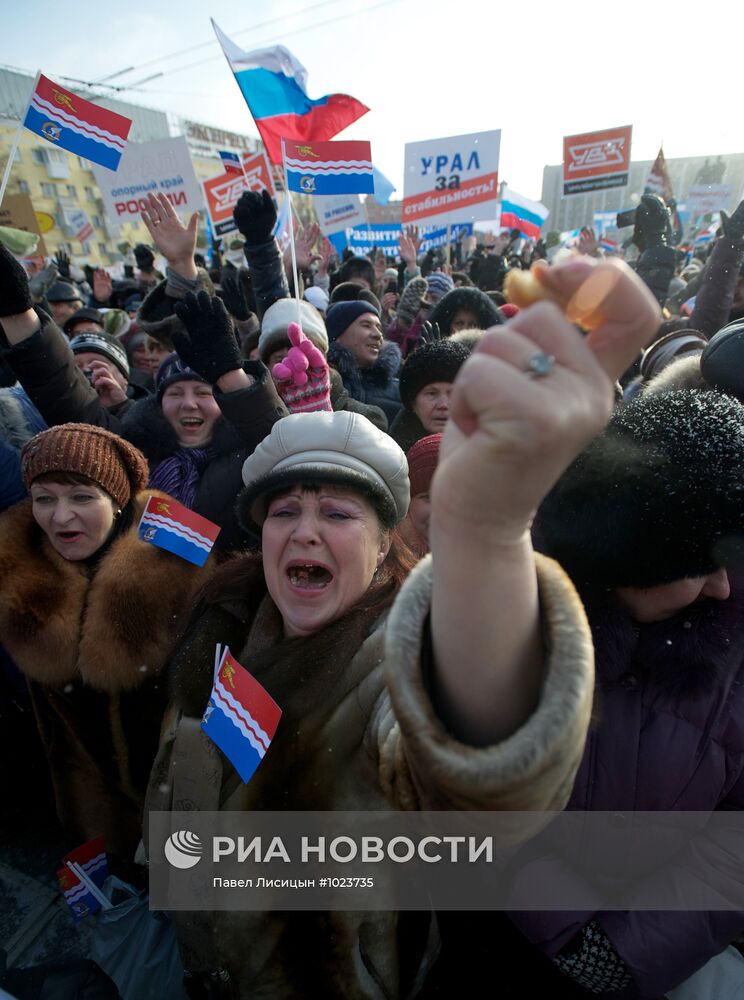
[102, 285]
[512, 433]
[324, 256]
[305, 240]
[62, 263]
[255, 216]
[588, 242]
[109, 391]
[208, 344]
[302, 378]
[175, 241]
[409, 244]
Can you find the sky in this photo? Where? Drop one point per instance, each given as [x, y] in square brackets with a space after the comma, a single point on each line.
[425, 68]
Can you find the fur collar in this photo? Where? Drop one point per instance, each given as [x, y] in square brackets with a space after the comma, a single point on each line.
[380, 374]
[144, 426]
[686, 655]
[235, 609]
[112, 627]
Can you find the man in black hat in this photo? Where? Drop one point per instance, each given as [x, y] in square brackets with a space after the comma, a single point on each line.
[85, 320]
[64, 300]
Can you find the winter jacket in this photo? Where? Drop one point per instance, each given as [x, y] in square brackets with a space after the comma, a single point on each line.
[341, 400]
[268, 279]
[355, 694]
[668, 735]
[46, 368]
[377, 384]
[92, 642]
[19, 421]
[407, 429]
[156, 316]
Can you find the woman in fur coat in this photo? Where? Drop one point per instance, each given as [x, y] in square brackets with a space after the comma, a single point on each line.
[89, 613]
[400, 695]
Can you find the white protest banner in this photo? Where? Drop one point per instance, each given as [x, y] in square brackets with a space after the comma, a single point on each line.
[339, 212]
[80, 225]
[162, 166]
[452, 180]
[704, 199]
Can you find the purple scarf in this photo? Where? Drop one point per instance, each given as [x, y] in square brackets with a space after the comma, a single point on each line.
[178, 475]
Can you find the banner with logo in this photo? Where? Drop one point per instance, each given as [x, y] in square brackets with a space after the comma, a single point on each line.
[595, 161]
[704, 199]
[222, 192]
[79, 225]
[452, 180]
[339, 212]
[162, 166]
[384, 236]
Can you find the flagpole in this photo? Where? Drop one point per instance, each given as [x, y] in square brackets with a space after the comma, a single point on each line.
[16, 141]
[89, 885]
[291, 235]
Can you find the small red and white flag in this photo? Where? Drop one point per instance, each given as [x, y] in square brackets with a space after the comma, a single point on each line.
[171, 526]
[77, 125]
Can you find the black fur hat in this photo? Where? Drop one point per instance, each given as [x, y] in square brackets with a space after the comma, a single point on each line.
[439, 361]
[657, 497]
[472, 299]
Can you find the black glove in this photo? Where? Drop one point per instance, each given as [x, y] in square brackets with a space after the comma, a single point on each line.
[62, 262]
[255, 216]
[208, 344]
[232, 294]
[144, 256]
[733, 225]
[15, 296]
[653, 227]
[430, 332]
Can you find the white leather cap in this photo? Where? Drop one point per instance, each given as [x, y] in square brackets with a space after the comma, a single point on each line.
[344, 448]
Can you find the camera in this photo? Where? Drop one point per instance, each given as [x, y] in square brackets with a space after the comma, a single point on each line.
[626, 218]
[88, 372]
[392, 286]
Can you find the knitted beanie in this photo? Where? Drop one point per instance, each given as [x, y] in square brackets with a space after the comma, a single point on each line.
[103, 344]
[422, 463]
[277, 318]
[439, 361]
[112, 463]
[174, 370]
[439, 283]
[342, 314]
[411, 300]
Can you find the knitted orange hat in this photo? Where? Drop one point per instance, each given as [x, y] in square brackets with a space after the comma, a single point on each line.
[109, 461]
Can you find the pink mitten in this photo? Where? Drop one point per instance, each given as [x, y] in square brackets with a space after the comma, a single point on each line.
[302, 378]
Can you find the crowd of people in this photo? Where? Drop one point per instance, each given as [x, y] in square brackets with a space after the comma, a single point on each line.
[482, 548]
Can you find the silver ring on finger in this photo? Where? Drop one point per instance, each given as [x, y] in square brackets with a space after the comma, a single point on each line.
[540, 365]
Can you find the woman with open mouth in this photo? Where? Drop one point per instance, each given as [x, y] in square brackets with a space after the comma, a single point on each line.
[89, 614]
[463, 684]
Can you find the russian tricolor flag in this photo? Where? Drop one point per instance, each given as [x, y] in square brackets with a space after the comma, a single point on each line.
[518, 212]
[241, 718]
[329, 167]
[231, 162]
[171, 526]
[77, 125]
[273, 83]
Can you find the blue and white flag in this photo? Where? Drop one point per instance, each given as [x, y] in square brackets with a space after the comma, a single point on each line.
[329, 167]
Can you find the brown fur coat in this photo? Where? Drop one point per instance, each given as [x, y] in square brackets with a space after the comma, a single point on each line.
[92, 643]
